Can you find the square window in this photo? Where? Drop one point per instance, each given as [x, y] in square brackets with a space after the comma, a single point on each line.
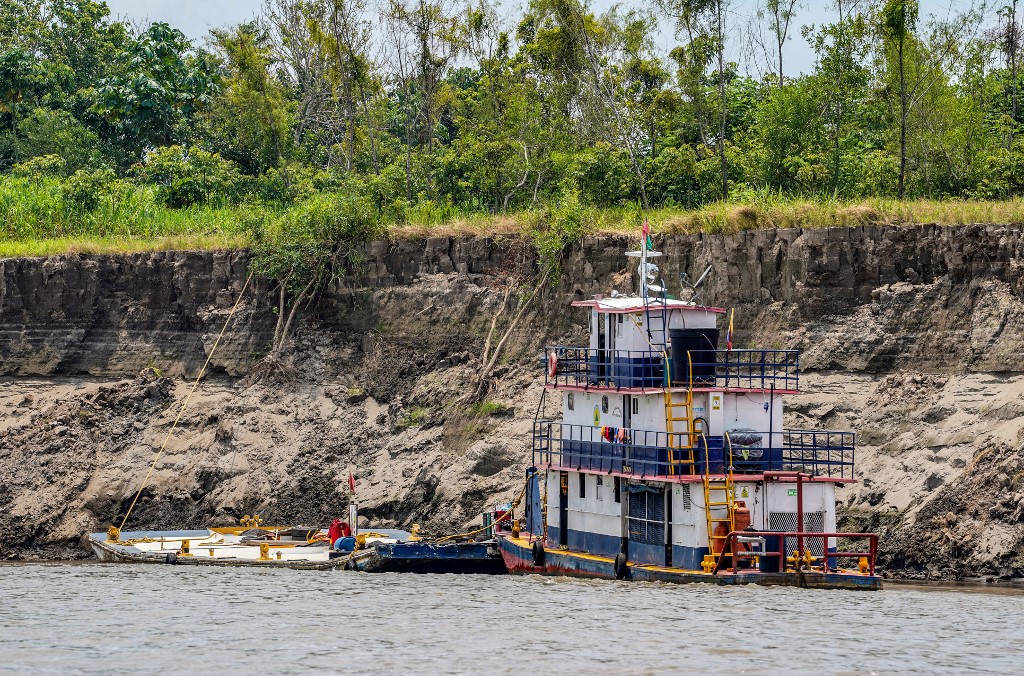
[597, 488]
[570, 401]
[583, 485]
[636, 406]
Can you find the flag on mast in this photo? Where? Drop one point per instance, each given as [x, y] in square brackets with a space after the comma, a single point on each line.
[728, 336]
[351, 483]
[646, 229]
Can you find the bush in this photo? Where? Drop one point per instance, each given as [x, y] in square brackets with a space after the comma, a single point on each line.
[185, 177]
[83, 189]
[57, 133]
[556, 229]
[39, 167]
[311, 237]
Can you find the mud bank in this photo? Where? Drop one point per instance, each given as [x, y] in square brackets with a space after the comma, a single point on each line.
[912, 336]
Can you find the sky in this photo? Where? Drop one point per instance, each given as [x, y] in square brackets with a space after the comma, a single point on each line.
[196, 17]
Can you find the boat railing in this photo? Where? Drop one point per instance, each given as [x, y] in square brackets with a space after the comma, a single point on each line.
[819, 452]
[577, 366]
[649, 453]
[792, 552]
[747, 369]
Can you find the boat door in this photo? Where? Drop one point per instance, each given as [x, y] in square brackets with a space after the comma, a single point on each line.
[563, 509]
[602, 348]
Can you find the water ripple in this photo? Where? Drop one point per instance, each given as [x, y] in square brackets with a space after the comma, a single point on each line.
[167, 619]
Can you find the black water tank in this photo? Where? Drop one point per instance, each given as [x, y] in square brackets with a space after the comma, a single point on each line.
[700, 344]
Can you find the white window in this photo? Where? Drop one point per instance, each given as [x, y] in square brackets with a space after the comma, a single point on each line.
[597, 489]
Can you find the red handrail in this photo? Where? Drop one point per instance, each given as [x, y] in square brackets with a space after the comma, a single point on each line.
[871, 555]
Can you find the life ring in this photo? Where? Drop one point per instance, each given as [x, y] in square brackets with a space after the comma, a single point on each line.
[552, 364]
[620, 566]
[538, 554]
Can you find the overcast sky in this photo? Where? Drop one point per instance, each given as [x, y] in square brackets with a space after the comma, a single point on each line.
[196, 17]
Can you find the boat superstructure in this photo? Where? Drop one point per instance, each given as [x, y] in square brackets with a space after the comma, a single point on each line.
[670, 459]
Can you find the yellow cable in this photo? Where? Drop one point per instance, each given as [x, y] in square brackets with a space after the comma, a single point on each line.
[184, 404]
[515, 503]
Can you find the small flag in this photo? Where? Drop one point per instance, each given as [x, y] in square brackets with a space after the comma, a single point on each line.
[351, 483]
[646, 230]
[728, 336]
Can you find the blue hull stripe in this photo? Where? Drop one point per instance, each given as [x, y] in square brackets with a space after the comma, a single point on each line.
[594, 543]
[519, 559]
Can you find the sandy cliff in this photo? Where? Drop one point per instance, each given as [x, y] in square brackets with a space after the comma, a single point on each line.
[912, 336]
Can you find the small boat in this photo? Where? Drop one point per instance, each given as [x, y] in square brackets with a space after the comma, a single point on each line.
[286, 547]
[667, 458]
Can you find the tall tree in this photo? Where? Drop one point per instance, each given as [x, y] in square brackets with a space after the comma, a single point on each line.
[428, 37]
[694, 56]
[842, 78]
[898, 20]
[723, 113]
[251, 118]
[1009, 44]
[778, 14]
[158, 87]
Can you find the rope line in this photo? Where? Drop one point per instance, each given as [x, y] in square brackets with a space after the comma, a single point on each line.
[185, 403]
[515, 503]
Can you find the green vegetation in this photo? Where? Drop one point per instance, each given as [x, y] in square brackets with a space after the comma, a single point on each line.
[483, 409]
[413, 417]
[327, 122]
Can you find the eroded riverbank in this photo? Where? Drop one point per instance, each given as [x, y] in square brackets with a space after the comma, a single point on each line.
[913, 337]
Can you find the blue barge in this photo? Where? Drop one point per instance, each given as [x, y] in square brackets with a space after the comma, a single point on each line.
[480, 558]
[668, 459]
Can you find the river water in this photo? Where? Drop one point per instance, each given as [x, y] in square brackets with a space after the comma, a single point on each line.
[96, 618]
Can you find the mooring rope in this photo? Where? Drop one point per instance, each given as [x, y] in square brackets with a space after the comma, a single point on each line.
[184, 404]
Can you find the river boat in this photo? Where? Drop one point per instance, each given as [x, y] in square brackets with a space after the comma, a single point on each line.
[669, 460]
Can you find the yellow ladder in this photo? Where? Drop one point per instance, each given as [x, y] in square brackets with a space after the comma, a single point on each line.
[719, 493]
[678, 409]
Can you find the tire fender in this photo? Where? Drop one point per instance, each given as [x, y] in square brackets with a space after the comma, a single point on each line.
[171, 557]
[538, 554]
[621, 567]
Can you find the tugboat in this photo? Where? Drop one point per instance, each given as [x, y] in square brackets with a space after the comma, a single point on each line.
[670, 460]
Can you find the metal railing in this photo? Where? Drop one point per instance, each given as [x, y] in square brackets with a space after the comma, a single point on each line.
[819, 452]
[586, 367]
[647, 453]
[746, 545]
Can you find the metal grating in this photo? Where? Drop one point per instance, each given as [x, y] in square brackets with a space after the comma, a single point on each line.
[814, 522]
[647, 517]
[685, 495]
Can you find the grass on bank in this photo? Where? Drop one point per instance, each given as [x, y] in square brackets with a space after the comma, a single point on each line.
[39, 218]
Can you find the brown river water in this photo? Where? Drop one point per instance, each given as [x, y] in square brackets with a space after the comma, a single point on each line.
[94, 618]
